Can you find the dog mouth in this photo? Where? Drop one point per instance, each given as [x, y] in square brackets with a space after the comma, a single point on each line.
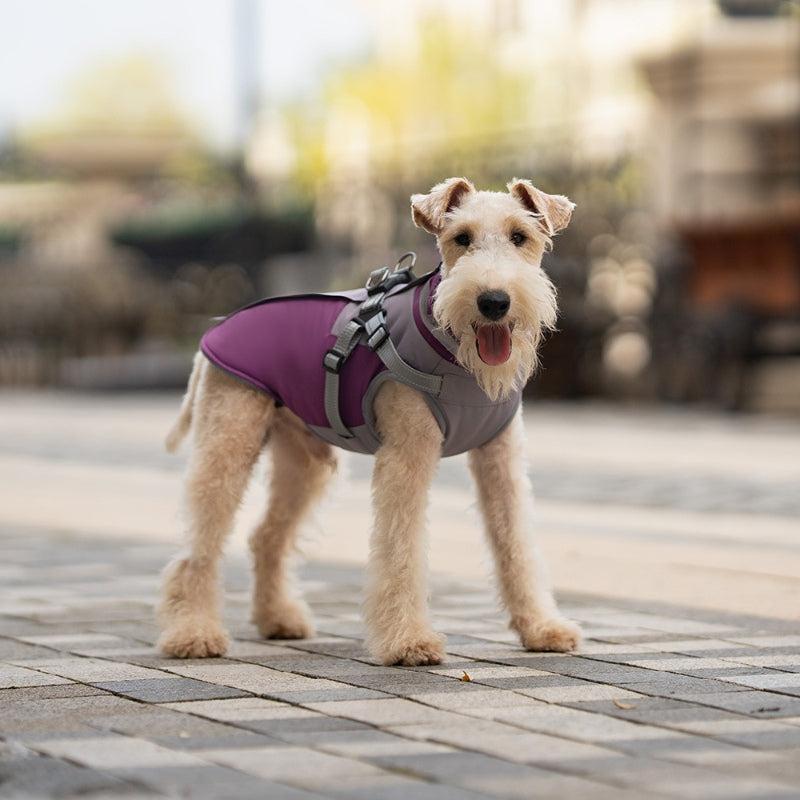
[493, 343]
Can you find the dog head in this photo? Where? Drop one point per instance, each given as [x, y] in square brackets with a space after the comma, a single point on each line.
[494, 297]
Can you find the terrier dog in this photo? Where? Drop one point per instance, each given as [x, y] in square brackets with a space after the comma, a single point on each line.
[408, 369]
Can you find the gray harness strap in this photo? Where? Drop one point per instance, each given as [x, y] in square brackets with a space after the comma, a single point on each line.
[369, 325]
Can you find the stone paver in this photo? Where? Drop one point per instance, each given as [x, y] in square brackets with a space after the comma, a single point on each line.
[88, 709]
[666, 699]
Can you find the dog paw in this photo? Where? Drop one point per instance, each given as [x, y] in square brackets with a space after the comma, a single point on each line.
[557, 635]
[417, 653]
[190, 642]
[290, 621]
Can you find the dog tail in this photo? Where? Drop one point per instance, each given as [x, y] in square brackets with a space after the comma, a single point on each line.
[184, 421]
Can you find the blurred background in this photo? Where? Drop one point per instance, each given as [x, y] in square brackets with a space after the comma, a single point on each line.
[163, 163]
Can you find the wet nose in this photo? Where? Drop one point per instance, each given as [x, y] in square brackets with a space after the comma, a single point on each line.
[494, 305]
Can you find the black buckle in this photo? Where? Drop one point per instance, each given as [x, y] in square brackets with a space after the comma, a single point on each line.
[397, 277]
[332, 361]
[384, 279]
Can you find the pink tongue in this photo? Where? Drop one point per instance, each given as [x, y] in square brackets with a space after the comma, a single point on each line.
[494, 344]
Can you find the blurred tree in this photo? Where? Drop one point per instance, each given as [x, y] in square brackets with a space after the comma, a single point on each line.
[122, 118]
[454, 94]
[127, 95]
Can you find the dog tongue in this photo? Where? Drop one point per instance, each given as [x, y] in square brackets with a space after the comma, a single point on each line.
[494, 344]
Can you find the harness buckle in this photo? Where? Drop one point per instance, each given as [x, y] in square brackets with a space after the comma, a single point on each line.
[370, 307]
[376, 279]
[332, 361]
[397, 277]
[377, 337]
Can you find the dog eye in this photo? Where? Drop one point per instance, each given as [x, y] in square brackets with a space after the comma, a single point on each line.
[463, 240]
[518, 238]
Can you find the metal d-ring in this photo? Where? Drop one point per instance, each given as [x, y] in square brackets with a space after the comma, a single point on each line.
[409, 255]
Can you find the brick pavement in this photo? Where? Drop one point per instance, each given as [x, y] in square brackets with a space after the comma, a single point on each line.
[668, 697]
[661, 701]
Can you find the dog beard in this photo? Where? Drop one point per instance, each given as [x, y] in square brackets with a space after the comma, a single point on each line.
[501, 356]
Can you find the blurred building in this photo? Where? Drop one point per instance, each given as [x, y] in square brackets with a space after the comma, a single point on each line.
[727, 118]
[726, 168]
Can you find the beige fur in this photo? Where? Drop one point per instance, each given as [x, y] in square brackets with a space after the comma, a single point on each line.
[232, 422]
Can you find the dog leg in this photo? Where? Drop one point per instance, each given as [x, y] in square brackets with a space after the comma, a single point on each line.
[302, 467]
[504, 496]
[399, 630]
[230, 421]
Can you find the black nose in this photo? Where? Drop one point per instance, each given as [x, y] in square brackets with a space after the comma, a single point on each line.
[494, 305]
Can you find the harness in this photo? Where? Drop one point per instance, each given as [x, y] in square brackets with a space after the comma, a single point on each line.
[369, 327]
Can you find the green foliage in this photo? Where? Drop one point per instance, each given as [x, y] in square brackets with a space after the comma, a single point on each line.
[455, 94]
[127, 95]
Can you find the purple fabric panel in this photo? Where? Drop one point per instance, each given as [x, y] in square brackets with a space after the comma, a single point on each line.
[357, 374]
[434, 282]
[278, 346]
[435, 344]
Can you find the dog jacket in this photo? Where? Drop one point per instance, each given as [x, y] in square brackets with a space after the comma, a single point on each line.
[291, 348]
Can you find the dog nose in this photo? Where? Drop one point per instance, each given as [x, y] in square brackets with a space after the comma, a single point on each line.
[494, 305]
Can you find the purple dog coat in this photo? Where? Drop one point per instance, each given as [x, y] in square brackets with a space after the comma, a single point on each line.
[278, 345]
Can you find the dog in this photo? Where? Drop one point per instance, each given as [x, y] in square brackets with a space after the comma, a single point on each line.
[469, 331]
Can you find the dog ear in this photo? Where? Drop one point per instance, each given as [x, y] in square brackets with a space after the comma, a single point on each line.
[554, 210]
[428, 210]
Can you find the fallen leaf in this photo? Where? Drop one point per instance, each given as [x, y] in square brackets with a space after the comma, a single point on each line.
[624, 706]
[465, 676]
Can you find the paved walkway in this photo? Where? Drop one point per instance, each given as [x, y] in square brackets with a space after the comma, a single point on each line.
[673, 538]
